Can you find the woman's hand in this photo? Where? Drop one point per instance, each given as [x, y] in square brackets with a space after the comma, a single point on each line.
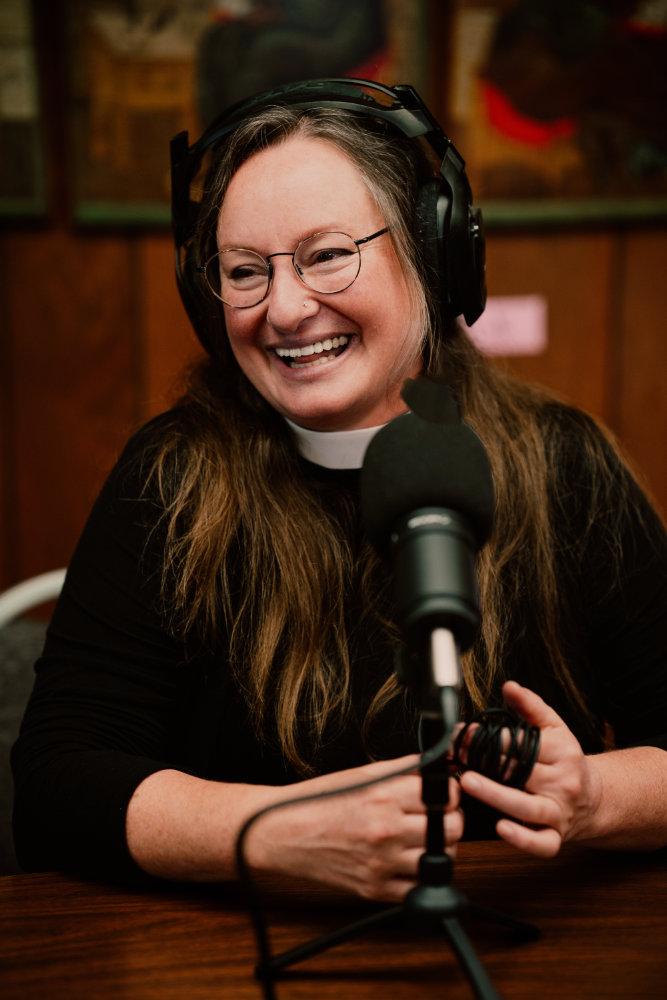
[367, 842]
[562, 795]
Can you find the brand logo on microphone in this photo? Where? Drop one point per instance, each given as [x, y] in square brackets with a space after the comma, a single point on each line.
[433, 518]
[424, 519]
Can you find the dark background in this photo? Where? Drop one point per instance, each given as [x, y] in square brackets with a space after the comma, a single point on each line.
[93, 335]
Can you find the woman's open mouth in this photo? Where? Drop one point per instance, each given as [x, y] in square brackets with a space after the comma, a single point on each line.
[318, 353]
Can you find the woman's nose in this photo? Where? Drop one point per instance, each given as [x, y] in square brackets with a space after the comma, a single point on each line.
[290, 301]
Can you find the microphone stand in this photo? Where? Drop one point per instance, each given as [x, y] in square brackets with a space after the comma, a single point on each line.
[434, 904]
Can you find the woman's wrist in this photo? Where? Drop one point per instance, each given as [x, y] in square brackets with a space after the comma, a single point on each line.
[628, 800]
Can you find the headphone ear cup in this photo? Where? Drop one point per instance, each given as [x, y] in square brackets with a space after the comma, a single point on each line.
[204, 311]
[475, 295]
[466, 254]
[430, 221]
[451, 237]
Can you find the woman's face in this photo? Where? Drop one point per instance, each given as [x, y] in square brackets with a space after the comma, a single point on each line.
[277, 198]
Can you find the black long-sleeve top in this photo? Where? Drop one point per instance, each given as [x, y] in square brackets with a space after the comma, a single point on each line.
[117, 696]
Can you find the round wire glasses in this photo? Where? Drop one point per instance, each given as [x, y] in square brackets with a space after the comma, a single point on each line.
[325, 262]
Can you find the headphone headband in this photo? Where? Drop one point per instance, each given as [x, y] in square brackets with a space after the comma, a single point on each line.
[449, 228]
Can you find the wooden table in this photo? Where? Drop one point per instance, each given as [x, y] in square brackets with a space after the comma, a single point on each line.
[603, 921]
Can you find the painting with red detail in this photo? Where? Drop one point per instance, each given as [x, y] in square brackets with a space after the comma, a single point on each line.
[558, 100]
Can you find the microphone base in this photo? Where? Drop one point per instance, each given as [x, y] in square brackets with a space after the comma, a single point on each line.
[433, 906]
[426, 908]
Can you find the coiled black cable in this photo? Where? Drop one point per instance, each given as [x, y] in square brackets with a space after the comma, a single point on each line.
[500, 745]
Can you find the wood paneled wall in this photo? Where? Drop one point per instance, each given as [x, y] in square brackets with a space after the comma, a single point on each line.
[607, 305]
[94, 336]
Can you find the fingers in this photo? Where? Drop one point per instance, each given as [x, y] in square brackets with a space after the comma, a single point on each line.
[530, 706]
[341, 780]
[371, 842]
[454, 825]
[534, 809]
[390, 878]
[543, 843]
[536, 820]
[454, 800]
[394, 891]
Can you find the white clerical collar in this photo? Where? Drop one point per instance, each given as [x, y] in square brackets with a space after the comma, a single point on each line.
[334, 449]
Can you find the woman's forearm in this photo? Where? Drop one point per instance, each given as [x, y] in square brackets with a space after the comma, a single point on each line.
[184, 828]
[367, 840]
[632, 803]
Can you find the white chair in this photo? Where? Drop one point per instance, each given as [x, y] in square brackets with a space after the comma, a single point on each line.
[30, 594]
[21, 643]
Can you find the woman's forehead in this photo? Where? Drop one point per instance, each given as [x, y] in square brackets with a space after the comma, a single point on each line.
[301, 185]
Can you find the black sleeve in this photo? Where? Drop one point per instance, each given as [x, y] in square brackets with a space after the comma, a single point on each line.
[616, 546]
[628, 633]
[101, 715]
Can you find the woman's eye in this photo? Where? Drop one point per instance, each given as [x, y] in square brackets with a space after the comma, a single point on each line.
[333, 253]
[246, 273]
[328, 257]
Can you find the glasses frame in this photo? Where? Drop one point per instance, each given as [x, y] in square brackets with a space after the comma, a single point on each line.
[203, 268]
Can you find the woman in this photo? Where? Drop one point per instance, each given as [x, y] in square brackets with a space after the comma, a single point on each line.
[225, 640]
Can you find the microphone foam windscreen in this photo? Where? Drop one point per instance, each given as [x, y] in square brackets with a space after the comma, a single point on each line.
[426, 458]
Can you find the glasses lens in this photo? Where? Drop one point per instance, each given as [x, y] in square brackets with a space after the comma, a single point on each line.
[239, 277]
[328, 262]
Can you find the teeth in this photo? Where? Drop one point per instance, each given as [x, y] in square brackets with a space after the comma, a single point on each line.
[312, 364]
[317, 348]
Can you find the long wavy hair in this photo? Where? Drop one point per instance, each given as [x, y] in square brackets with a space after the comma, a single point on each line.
[258, 552]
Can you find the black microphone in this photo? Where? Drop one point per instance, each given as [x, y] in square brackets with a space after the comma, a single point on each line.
[428, 502]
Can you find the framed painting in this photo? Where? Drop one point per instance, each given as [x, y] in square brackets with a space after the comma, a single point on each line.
[141, 72]
[560, 107]
[22, 178]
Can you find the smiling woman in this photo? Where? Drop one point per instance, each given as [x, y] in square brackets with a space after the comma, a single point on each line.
[226, 635]
[279, 197]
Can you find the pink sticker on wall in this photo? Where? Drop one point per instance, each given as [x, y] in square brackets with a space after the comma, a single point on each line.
[511, 325]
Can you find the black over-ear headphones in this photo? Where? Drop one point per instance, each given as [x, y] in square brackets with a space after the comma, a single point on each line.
[448, 227]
